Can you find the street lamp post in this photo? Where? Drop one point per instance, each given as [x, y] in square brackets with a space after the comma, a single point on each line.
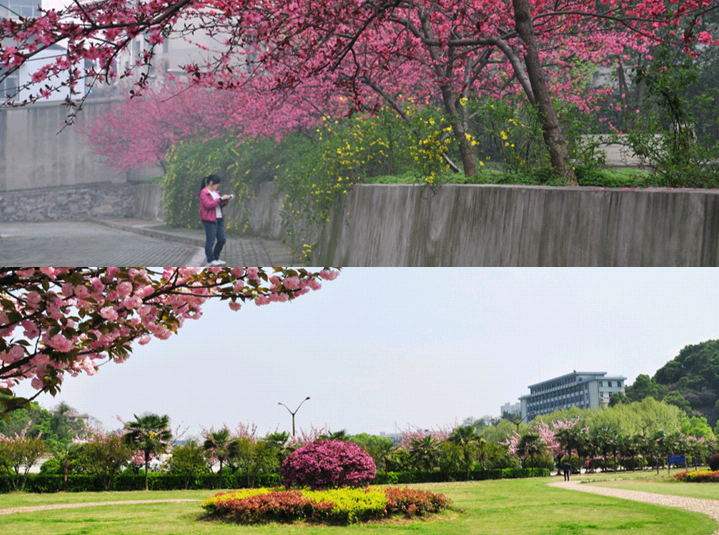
[293, 413]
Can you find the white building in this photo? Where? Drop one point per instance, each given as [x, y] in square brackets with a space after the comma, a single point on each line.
[576, 389]
[23, 76]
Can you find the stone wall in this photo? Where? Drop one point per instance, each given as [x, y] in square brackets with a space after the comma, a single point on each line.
[36, 152]
[70, 203]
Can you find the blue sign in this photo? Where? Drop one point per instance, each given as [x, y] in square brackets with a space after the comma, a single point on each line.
[676, 459]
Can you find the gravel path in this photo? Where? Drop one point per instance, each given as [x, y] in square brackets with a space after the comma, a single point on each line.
[33, 508]
[707, 507]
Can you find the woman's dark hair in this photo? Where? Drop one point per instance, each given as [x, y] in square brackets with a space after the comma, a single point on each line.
[215, 179]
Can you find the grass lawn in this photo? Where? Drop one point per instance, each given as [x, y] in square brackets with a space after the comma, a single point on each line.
[25, 499]
[648, 481]
[510, 507]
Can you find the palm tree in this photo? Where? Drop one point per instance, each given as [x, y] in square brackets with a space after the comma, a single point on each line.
[337, 435]
[424, 452]
[222, 446]
[65, 454]
[383, 451]
[531, 445]
[150, 434]
[570, 439]
[468, 440]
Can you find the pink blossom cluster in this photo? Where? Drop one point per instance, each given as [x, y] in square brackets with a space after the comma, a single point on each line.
[328, 464]
[62, 320]
[412, 433]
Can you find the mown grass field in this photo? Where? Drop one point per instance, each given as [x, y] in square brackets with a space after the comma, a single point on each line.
[513, 507]
[649, 481]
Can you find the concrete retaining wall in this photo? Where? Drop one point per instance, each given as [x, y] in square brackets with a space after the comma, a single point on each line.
[477, 225]
[459, 225]
[35, 153]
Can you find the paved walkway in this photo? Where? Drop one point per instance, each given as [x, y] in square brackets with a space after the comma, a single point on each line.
[33, 508]
[707, 507]
[125, 242]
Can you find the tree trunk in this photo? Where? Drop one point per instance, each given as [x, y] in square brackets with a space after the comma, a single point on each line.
[553, 136]
[469, 162]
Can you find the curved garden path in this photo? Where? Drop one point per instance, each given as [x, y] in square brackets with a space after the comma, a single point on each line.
[697, 505]
[32, 508]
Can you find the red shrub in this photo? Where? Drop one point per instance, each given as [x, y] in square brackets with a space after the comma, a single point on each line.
[283, 506]
[414, 502]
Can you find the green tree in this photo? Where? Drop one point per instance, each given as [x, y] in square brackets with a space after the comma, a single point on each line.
[65, 455]
[675, 398]
[54, 426]
[380, 448]
[618, 399]
[467, 439]
[18, 455]
[149, 434]
[531, 446]
[337, 435]
[643, 387]
[696, 427]
[104, 455]
[277, 441]
[496, 434]
[221, 447]
[605, 441]
[424, 452]
[188, 460]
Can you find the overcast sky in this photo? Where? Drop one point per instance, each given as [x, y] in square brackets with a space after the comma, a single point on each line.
[380, 347]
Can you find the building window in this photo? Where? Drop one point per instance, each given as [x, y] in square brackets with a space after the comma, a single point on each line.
[19, 8]
[9, 87]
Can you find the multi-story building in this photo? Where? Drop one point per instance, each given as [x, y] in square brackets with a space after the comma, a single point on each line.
[510, 408]
[576, 389]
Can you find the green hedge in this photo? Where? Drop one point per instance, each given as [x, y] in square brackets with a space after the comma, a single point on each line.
[156, 481]
[160, 481]
[474, 475]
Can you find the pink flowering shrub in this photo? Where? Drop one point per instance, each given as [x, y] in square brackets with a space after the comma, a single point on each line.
[327, 464]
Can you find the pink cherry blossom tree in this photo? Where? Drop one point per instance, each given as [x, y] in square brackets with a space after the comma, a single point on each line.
[56, 320]
[353, 44]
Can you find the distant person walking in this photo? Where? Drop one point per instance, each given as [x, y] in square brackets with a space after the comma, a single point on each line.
[211, 203]
[567, 467]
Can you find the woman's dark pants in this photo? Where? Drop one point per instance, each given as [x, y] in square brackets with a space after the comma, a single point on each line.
[214, 231]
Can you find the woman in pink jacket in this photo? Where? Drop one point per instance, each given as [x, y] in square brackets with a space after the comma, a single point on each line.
[211, 204]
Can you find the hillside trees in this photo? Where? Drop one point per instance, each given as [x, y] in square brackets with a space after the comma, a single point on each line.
[57, 321]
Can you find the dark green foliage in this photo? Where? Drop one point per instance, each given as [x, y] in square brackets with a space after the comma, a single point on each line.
[643, 387]
[617, 399]
[161, 481]
[53, 426]
[576, 463]
[714, 463]
[694, 374]
[51, 466]
[676, 399]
